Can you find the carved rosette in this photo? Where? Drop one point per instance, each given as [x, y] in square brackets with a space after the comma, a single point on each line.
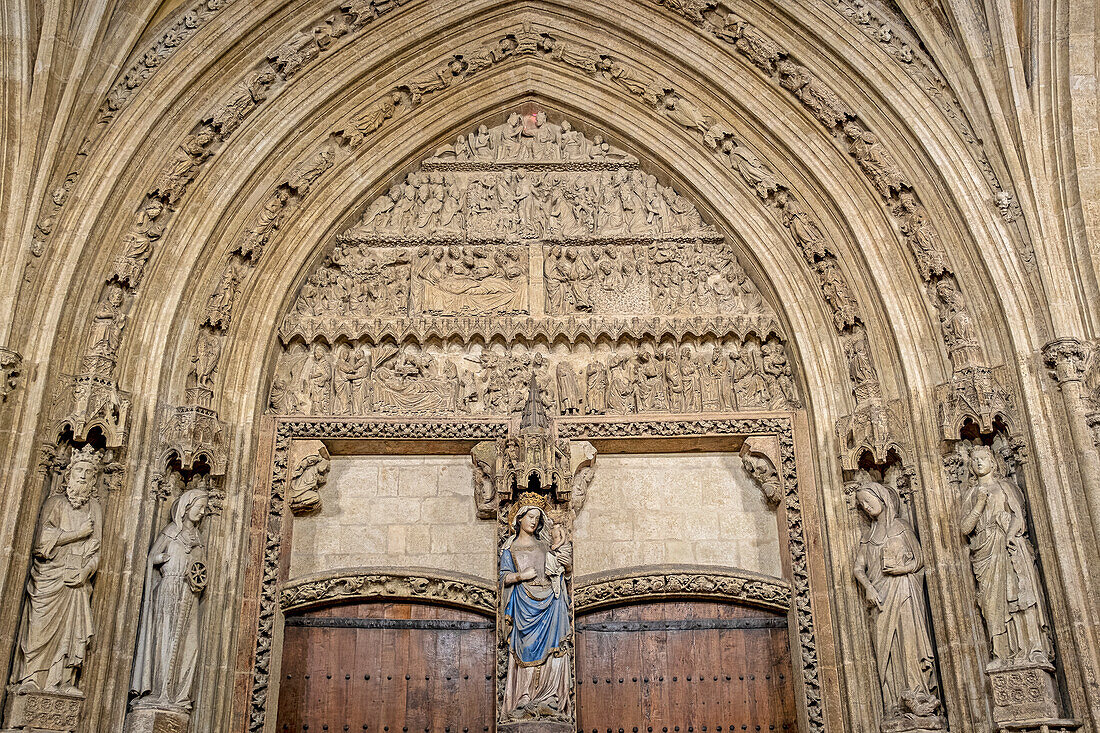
[42, 712]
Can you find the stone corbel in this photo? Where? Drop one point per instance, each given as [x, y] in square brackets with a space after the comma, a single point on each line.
[11, 368]
[759, 458]
[311, 461]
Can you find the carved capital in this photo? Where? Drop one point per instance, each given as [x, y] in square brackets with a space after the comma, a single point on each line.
[979, 394]
[11, 368]
[86, 401]
[1067, 359]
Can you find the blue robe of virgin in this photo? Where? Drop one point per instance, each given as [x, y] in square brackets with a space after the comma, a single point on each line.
[538, 624]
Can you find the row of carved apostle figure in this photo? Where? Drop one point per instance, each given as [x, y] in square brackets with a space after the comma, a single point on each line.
[530, 204]
[889, 568]
[529, 137]
[58, 627]
[648, 377]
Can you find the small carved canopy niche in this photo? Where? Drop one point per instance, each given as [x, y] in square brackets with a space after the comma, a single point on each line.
[531, 245]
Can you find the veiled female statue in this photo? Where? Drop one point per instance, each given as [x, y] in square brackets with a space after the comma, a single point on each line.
[889, 567]
[1003, 561]
[175, 576]
[534, 563]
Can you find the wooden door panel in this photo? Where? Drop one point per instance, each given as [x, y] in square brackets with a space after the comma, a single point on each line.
[680, 667]
[386, 668]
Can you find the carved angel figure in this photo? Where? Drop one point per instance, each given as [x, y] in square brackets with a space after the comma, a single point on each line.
[1003, 560]
[889, 568]
[175, 577]
[57, 617]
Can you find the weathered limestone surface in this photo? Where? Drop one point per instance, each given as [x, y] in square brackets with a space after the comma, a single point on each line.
[816, 282]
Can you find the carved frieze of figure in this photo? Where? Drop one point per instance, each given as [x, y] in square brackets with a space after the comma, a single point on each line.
[473, 279]
[778, 371]
[865, 382]
[183, 167]
[175, 577]
[597, 382]
[921, 235]
[875, 160]
[352, 380]
[747, 371]
[535, 561]
[569, 391]
[1003, 560]
[889, 568]
[57, 622]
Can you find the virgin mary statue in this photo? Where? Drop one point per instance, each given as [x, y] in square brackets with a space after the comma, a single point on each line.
[534, 562]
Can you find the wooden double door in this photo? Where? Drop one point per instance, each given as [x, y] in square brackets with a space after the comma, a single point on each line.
[662, 667]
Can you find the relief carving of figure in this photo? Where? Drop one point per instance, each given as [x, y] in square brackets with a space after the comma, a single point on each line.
[108, 322]
[534, 564]
[176, 574]
[1003, 560]
[309, 477]
[889, 568]
[57, 615]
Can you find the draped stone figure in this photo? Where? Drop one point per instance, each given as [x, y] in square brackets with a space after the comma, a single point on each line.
[57, 618]
[175, 577]
[1003, 560]
[534, 563]
[889, 567]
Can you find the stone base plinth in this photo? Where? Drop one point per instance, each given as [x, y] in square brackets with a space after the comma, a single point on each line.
[41, 712]
[536, 726]
[1023, 693]
[156, 720]
[916, 724]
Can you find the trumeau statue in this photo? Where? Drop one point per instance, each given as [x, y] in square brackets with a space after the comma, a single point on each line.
[534, 561]
[175, 577]
[1003, 559]
[57, 618]
[889, 568]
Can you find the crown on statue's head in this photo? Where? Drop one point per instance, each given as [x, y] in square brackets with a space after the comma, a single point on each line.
[86, 455]
[526, 499]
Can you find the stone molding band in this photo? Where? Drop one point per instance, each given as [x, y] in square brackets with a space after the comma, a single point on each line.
[593, 592]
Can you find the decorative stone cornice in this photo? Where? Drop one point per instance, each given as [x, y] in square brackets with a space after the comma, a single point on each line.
[1067, 359]
[11, 368]
[405, 584]
[682, 582]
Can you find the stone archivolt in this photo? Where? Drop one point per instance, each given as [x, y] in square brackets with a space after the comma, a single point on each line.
[384, 325]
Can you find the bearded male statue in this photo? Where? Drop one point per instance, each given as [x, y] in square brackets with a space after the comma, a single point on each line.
[57, 617]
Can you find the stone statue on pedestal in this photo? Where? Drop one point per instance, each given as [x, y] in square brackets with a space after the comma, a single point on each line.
[889, 567]
[57, 619]
[175, 577]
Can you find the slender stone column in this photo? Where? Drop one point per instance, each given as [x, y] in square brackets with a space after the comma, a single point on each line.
[1066, 358]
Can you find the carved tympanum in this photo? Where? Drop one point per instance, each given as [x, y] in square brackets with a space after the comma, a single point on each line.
[527, 232]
